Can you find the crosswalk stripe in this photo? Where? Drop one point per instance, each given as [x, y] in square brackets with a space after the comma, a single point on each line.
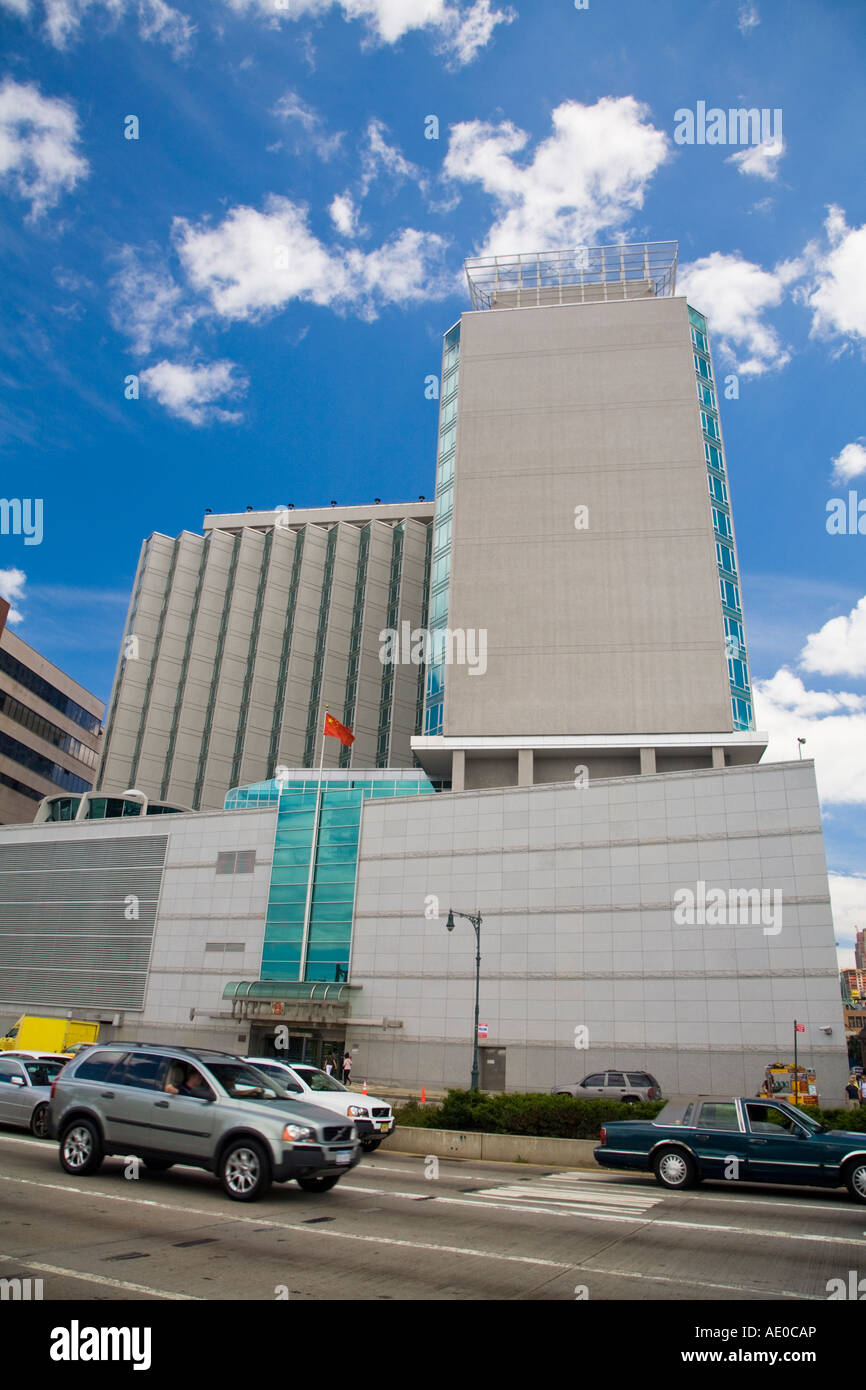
[570, 1190]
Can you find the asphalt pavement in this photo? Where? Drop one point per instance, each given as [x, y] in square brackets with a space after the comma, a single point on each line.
[401, 1227]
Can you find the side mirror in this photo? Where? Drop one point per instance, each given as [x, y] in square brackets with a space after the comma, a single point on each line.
[18, 1081]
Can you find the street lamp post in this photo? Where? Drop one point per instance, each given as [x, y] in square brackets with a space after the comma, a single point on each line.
[476, 922]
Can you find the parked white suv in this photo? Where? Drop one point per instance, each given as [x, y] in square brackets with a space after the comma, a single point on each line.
[372, 1118]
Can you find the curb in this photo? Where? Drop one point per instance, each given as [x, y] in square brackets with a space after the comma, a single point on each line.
[495, 1148]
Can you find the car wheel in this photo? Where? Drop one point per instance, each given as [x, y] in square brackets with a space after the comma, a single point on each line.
[675, 1169]
[81, 1148]
[317, 1184]
[39, 1120]
[370, 1145]
[855, 1178]
[157, 1165]
[244, 1170]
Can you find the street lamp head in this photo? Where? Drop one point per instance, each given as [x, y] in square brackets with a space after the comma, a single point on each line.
[450, 923]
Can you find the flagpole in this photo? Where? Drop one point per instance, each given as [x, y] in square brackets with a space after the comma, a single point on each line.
[308, 906]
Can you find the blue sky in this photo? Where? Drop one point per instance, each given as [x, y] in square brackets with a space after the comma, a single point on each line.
[269, 376]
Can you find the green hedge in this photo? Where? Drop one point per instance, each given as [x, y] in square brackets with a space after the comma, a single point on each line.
[843, 1119]
[544, 1116]
[555, 1117]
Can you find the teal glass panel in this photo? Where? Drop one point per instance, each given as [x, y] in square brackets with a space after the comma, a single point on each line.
[284, 912]
[288, 875]
[282, 932]
[283, 858]
[286, 893]
[329, 935]
[335, 868]
[339, 913]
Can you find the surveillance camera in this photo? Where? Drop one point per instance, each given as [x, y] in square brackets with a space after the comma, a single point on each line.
[826, 1030]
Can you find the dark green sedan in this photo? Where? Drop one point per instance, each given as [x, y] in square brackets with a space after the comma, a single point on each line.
[697, 1137]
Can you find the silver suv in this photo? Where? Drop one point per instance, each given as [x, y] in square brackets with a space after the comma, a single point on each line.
[210, 1110]
[613, 1085]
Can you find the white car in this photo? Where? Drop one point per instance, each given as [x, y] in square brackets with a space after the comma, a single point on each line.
[25, 1091]
[372, 1118]
[32, 1056]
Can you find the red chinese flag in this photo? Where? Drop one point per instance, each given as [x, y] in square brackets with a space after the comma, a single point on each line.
[335, 729]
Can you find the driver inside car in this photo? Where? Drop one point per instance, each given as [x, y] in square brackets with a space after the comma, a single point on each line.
[193, 1084]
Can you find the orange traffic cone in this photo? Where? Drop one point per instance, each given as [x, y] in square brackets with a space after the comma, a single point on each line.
[423, 1095]
[364, 1089]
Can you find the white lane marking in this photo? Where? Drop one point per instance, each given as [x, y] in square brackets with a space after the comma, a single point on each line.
[448, 1201]
[97, 1279]
[728, 1288]
[385, 1192]
[649, 1222]
[705, 1197]
[296, 1229]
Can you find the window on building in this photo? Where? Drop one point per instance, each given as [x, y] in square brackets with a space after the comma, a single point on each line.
[236, 861]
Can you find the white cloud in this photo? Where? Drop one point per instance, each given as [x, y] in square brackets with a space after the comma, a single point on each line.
[63, 19]
[837, 290]
[466, 32]
[380, 157]
[157, 20]
[462, 31]
[190, 392]
[255, 262]
[734, 294]
[39, 158]
[748, 17]
[147, 304]
[591, 174]
[833, 724]
[848, 901]
[292, 107]
[344, 215]
[760, 161]
[850, 462]
[839, 648]
[12, 583]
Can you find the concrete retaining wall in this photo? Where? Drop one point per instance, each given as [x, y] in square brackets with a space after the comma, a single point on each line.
[501, 1148]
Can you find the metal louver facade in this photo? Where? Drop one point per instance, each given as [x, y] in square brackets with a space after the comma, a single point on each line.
[77, 921]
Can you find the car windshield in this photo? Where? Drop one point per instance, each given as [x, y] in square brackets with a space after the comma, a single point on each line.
[243, 1082]
[813, 1126]
[319, 1080]
[42, 1073]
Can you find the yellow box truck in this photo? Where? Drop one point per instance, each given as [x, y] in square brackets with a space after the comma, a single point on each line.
[32, 1034]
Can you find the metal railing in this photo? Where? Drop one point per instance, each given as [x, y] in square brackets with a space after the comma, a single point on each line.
[581, 274]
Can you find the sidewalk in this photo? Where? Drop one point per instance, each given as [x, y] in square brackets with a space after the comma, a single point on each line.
[398, 1095]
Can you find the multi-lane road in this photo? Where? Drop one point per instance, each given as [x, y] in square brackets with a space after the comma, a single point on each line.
[390, 1231]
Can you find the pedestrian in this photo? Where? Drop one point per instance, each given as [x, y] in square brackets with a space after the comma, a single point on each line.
[330, 1064]
[347, 1068]
[852, 1093]
[863, 1089]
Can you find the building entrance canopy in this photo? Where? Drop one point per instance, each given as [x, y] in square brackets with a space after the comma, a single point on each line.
[289, 1000]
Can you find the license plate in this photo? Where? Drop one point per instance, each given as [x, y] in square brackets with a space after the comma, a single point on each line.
[385, 1127]
[344, 1156]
